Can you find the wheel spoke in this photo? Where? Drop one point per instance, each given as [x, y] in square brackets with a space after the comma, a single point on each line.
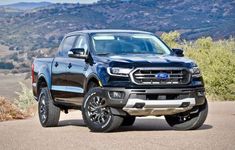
[97, 99]
[43, 110]
[91, 108]
[103, 118]
[96, 117]
[94, 103]
[102, 103]
[99, 119]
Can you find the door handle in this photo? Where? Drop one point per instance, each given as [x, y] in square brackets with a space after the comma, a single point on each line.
[56, 64]
[70, 65]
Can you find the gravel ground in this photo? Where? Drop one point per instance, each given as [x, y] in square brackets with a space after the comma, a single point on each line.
[218, 132]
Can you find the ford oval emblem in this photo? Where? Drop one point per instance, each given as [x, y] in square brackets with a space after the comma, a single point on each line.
[162, 76]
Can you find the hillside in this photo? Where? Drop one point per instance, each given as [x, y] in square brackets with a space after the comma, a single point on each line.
[43, 28]
[26, 5]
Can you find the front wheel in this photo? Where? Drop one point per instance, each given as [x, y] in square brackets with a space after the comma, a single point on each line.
[96, 114]
[190, 120]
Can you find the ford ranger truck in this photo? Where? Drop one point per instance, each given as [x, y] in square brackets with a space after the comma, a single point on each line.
[114, 76]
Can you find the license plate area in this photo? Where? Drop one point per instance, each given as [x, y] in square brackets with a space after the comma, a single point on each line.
[161, 96]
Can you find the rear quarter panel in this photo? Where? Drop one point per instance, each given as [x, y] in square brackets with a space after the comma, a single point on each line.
[42, 69]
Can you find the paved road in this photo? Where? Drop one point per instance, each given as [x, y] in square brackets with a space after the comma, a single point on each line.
[218, 132]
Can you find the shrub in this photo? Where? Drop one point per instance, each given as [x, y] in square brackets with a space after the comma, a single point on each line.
[171, 38]
[26, 100]
[216, 61]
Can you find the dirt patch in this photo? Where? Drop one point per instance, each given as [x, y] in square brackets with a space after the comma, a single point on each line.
[8, 111]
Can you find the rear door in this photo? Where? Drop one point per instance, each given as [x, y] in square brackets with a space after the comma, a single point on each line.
[60, 68]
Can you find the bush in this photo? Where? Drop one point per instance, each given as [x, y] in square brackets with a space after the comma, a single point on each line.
[26, 100]
[216, 61]
[171, 38]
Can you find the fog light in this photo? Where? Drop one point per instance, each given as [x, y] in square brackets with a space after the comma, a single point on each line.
[197, 82]
[201, 93]
[116, 94]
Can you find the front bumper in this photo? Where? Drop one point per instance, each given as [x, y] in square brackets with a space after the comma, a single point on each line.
[156, 102]
[158, 107]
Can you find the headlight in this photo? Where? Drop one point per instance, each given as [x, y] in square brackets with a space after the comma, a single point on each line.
[115, 71]
[195, 72]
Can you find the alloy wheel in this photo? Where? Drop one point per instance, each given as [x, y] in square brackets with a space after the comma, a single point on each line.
[98, 112]
[42, 109]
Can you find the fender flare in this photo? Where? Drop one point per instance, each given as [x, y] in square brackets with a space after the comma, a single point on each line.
[45, 74]
[92, 76]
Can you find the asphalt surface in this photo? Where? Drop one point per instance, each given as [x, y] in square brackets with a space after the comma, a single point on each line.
[218, 133]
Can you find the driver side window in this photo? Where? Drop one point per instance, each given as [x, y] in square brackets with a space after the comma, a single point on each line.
[67, 45]
[81, 43]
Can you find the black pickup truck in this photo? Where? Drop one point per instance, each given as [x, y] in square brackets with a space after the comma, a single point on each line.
[113, 76]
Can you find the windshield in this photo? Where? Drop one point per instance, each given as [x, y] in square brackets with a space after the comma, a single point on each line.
[127, 43]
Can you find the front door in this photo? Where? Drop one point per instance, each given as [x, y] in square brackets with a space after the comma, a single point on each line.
[75, 74]
[59, 70]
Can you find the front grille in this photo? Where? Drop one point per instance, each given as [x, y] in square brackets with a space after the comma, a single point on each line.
[147, 76]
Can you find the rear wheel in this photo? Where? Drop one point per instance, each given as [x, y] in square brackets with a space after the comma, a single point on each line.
[96, 114]
[128, 121]
[190, 120]
[48, 113]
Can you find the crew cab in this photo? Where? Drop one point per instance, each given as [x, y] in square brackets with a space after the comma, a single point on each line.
[114, 76]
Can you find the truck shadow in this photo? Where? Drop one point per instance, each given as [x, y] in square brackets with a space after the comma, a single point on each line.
[75, 122]
[147, 124]
[141, 124]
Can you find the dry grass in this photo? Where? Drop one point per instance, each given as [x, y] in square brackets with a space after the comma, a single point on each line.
[16, 100]
[25, 101]
[9, 85]
[9, 111]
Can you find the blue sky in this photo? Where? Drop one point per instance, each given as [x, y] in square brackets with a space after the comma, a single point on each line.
[4, 2]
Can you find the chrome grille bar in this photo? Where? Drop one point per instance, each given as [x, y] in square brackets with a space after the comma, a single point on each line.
[147, 76]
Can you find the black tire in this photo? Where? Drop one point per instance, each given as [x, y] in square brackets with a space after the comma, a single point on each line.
[190, 120]
[128, 121]
[97, 116]
[49, 114]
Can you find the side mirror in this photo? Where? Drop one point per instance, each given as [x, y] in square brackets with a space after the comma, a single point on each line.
[178, 52]
[77, 53]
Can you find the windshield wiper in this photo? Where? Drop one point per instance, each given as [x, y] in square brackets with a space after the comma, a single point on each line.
[103, 53]
[147, 53]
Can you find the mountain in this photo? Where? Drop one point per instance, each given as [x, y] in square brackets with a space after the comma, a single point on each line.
[26, 5]
[45, 27]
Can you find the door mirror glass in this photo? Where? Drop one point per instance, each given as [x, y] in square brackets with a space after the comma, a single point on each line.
[178, 52]
[77, 53]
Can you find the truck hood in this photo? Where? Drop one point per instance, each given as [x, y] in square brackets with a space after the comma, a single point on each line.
[146, 60]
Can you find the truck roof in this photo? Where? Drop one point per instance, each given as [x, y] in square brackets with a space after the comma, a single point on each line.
[107, 31]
